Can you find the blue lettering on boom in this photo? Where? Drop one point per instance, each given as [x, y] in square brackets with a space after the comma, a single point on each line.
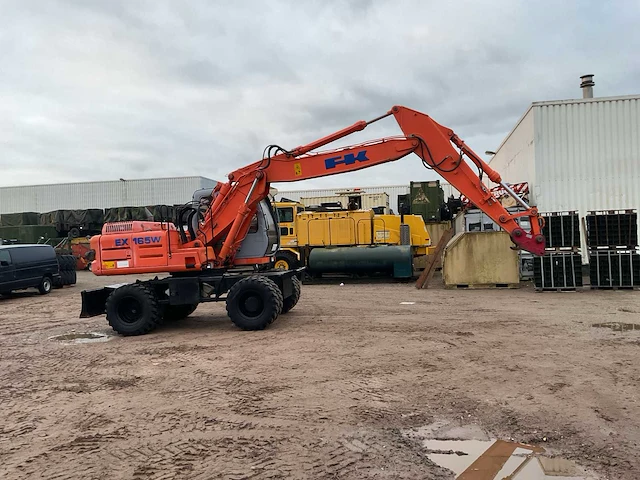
[348, 159]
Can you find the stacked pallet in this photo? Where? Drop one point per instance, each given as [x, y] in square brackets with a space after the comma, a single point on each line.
[612, 239]
[560, 268]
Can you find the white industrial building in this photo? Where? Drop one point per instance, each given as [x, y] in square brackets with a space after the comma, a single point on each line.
[576, 155]
[108, 194]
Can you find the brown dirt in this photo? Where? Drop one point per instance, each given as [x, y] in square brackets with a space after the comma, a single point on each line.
[325, 392]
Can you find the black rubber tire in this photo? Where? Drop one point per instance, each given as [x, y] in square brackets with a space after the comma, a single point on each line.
[66, 263]
[58, 282]
[74, 232]
[285, 256]
[290, 302]
[178, 312]
[46, 284]
[133, 310]
[254, 303]
[72, 277]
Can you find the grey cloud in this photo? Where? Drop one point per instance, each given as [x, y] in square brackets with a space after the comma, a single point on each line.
[98, 90]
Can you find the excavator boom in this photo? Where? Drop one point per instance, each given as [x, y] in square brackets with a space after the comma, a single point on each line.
[432, 142]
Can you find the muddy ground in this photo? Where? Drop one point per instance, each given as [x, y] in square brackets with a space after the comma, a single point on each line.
[325, 392]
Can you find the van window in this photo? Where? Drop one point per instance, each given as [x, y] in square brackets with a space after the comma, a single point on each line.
[5, 257]
[31, 254]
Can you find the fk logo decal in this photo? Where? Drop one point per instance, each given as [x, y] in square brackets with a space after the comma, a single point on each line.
[348, 159]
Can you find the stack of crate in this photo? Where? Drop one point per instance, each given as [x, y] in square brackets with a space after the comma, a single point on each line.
[560, 268]
[612, 238]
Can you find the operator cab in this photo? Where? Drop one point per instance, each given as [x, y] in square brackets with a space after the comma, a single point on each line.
[263, 237]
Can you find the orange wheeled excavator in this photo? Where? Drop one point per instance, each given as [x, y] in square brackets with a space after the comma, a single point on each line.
[222, 245]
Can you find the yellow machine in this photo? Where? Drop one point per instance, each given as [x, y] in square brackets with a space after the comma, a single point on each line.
[303, 231]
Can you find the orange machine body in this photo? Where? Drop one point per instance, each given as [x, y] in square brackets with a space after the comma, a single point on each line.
[143, 247]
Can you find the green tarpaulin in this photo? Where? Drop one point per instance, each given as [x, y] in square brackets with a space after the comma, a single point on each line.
[18, 219]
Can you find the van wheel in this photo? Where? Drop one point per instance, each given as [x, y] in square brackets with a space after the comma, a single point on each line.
[45, 286]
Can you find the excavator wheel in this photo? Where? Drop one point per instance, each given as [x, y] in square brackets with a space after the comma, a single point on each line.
[285, 260]
[254, 303]
[178, 312]
[133, 310]
[291, 301]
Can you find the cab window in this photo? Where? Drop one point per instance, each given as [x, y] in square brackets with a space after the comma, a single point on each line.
[285, 215]
[253, 226]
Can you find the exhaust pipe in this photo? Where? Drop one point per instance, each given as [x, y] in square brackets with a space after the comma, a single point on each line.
[586, 85]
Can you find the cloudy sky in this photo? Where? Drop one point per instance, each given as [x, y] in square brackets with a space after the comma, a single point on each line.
[99, 90]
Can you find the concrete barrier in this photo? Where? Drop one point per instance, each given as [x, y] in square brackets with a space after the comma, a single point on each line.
[481, 260]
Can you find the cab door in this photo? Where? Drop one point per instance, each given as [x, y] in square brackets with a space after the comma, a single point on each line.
[7, 271]
[286, 223]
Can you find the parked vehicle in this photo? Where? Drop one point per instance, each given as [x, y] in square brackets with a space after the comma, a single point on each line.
[28, 266]
[351, 240]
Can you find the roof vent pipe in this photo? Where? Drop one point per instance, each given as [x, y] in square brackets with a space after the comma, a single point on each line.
[587, 86]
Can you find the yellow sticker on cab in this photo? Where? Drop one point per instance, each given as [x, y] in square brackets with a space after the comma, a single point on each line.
[108, 264]
[297, 168]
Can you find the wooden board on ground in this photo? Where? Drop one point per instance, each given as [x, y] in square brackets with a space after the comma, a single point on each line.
[427, 273]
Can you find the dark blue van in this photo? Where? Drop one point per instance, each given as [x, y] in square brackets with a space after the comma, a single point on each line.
[28, 266]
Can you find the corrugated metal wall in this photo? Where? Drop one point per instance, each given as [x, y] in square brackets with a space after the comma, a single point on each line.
[392, 190]
[580, 155]
[45, 198]
[588, 155]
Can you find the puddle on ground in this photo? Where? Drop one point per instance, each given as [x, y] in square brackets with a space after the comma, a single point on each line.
[472, 455]
[617, 326]
[81, 338]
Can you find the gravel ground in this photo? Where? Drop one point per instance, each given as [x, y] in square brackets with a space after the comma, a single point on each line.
[325, 392]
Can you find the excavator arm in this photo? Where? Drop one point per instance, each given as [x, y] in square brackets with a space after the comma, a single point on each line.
[439, 148]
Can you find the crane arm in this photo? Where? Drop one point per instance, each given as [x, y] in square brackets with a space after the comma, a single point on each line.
[438, 147]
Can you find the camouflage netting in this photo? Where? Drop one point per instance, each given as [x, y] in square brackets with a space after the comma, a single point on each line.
[123, 214]
[163, 213]
[28, 233]
[87, 218]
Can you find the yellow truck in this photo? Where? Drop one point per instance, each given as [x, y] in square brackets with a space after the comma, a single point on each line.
[350, 241]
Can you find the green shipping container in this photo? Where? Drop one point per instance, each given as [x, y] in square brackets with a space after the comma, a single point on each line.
[426, 199]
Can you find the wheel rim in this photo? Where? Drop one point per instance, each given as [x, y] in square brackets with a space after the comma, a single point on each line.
[282, 264]
[47, 285]
[251, 304]
[130, 310]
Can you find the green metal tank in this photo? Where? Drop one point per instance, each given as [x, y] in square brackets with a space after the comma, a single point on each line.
[396, 260]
